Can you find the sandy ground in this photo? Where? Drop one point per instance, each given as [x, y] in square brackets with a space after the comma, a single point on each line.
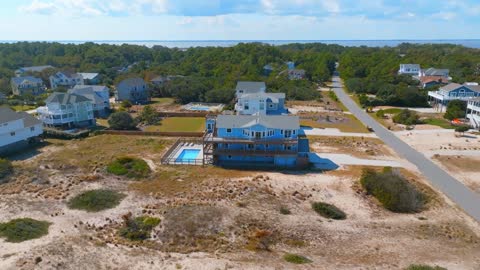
[436, 143]
[335, 132]
[226, 212]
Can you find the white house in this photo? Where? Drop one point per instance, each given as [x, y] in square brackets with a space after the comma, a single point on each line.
[66, 79]
[473, 112]
[434, 72]
[67, 110]
[409, 69]
[249, 88]
[261, 104]
[133, 89]
[24, 70]
[17, 129]
[99, 96]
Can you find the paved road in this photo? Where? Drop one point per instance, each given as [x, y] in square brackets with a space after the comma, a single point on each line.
[461, 195]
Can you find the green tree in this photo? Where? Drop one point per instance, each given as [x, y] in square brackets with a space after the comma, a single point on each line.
[149, 115]
[406, 117]
[121, 121]
[126, 104]
[456, 109]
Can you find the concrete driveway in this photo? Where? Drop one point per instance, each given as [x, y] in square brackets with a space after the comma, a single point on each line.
[456, 191]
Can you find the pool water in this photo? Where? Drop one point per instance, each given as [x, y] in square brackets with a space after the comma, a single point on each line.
[188, 155]
[198, 108]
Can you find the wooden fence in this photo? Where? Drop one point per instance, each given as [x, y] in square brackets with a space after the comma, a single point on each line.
[151, 133]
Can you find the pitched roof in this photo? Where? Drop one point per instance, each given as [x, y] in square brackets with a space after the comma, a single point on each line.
[8, 115]
[89, 76]
[427, 79]
[270, 121]
[454, 86]
[96, 88]
[273, 96]
[411, 66]
[436, 72]
[132, 82]
[34, 68]
[87, 92]
[65, 98]
[251, 87]
[26, 80]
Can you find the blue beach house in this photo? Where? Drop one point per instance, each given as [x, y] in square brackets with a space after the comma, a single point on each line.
[251, 140]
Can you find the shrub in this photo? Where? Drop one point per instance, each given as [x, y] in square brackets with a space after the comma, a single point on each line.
[462, 129]
[149, 115]
[285, 211]
[130, 167]
[455, 109]
[23, 229]
[139, 228]
[328, 210]
[424, 267]
[96, 200]
[406, 117]
[380, 114]
[121, 121]
[6, 167]
[297, 259]
[393, 191]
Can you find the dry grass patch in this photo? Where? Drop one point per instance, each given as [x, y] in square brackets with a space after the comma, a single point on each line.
[460, 163]
[170, 180]
[96, 152]
[359, 147]
[343, 122]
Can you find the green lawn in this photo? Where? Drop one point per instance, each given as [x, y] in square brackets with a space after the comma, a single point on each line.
[162, 101]
[443, 123]
[179, 124]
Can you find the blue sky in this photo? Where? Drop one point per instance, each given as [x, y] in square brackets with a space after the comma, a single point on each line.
[238, 19]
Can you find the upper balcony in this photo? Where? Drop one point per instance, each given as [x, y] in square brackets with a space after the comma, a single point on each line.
[210, 138]
[437, 95]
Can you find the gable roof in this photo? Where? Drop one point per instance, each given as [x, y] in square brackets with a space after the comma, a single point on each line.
[273, 96]
[65, 98]
[26, 80]
[411, 66]
[8, 115]
[436, 72]
[131, 82]
[87, 92]
[269, 121]
[34, 68]
[251, 87]
[427, 79]
[89, 76]
[96, 88]
[454, 86]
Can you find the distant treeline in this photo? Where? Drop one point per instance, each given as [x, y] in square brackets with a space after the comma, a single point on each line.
[210, 73]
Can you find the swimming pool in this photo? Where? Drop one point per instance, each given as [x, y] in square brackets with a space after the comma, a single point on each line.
[199, 108]
[188, 156]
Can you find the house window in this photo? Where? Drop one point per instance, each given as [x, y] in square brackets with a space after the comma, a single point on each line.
[266, 146]
[12, 133]
[226, 146]
[281, 131]
[229, 157]
[250, 146]
[294, 132]
[229, 130]
[263, 134]
[271, 105]
[32, 129]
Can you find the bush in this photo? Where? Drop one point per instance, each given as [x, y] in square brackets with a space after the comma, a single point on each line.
[380, 114]
[149, 115]
[462, 129]
[393, 191]
[6, 167]
[455, 109]
[23, 229]
[121, 121]
[424, 267]
[406, 117]
[96, 200]
[285, 211]
[130, 167]
[297, 259]
[139, 228]
[328, 210]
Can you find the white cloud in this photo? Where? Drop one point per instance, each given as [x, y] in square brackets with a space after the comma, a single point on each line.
[38, 7]
[447, 16]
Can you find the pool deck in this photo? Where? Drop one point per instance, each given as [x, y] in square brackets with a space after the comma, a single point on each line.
[187, 146]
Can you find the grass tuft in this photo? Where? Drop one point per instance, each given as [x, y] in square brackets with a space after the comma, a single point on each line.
[96, 200]
[328, 211]
[23, 229]
[130, 167]
[139, 228]
[296, 259]
[6, 168]
[424, 267]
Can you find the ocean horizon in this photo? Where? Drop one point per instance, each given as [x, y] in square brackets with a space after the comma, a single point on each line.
[184, 44]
